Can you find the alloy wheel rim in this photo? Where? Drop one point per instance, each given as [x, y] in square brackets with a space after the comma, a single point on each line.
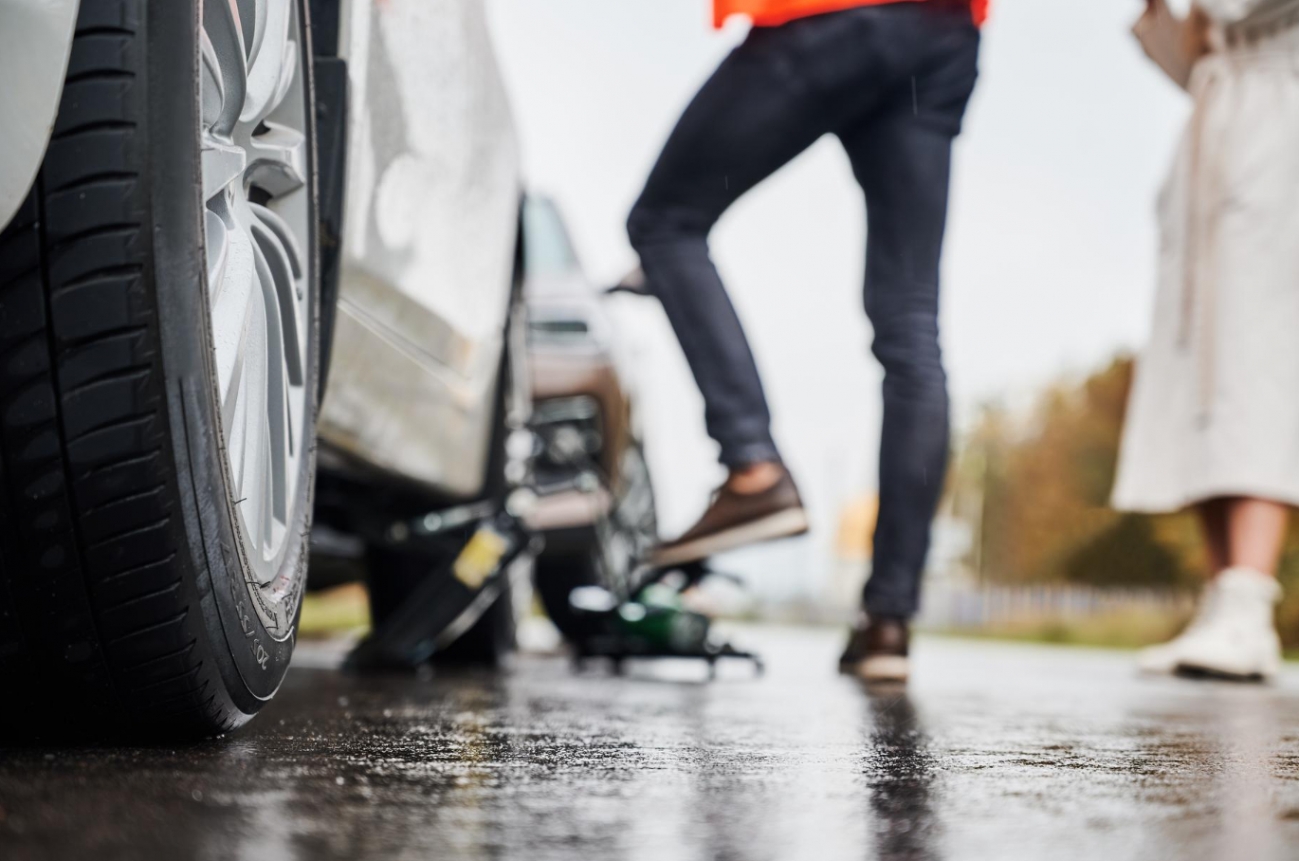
[257, 230]
[629, 533]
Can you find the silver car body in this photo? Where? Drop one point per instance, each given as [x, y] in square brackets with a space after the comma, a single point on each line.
[431, 223]
[431, 228]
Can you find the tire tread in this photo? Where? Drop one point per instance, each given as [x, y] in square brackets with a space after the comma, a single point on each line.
[94, 623]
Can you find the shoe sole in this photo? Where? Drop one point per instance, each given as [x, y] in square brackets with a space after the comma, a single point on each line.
[1203, 671]
[782, 524]
[883, 668]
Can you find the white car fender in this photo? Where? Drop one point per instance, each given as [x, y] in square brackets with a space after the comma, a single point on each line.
[35, 40]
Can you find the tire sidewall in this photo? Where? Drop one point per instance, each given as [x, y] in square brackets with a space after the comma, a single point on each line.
[251, 660]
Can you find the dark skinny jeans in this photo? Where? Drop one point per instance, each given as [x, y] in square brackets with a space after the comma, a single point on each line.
[891, 82]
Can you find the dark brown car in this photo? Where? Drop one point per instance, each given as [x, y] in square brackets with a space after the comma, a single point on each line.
[596, 508]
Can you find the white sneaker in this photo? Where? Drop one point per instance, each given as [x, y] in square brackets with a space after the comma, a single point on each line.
[1164, 658]
[1232, 635]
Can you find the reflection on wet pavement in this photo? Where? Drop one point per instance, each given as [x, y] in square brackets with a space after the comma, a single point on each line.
[996, 751]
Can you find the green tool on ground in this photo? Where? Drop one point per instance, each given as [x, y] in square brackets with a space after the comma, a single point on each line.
[658, 618]
[655, 623]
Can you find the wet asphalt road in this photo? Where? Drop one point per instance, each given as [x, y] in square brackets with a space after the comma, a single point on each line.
[997, 752]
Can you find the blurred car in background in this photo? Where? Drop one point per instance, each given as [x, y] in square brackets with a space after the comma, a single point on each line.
[177, 257]
[596, 501]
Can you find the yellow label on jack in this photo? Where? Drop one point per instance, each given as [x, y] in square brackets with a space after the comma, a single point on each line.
[481, 556]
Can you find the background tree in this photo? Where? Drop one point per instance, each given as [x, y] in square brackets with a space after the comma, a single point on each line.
[1044, 484]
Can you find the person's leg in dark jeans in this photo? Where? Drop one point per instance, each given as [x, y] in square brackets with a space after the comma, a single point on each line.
[901, 155]
[744, 124]
[892, 81]
[751, 118]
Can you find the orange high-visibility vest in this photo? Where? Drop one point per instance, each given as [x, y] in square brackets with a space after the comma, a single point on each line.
[772, 13]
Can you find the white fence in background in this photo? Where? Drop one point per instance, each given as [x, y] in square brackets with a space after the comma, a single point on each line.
[965, 607]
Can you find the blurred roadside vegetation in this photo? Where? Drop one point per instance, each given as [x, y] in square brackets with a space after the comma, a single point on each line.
[1037, 488]
[1130, 628]
[330, 612]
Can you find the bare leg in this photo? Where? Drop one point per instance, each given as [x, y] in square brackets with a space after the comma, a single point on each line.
[1256, 530]
[1213, 523]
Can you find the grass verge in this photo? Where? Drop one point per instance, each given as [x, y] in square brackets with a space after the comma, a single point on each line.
[1119, 629]
[342, 610]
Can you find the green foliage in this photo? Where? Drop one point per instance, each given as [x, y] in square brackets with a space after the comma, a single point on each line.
[1044, 485]
[1125, 554]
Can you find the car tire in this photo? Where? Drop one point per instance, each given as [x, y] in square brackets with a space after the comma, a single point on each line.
[489, 642]
[133, 599]
[603, 557]
[486, 643]
[557, 575]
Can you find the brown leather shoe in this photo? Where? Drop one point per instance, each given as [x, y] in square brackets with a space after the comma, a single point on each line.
[877, 650]
[738, 519]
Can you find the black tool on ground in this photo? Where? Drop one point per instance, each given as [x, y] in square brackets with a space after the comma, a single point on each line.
[454, 595]
[654, 623]
[638, 616]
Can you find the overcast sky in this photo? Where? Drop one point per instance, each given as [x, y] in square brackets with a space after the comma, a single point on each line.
[1049, 260]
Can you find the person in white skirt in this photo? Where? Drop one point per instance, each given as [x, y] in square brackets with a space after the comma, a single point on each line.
[1213, 419]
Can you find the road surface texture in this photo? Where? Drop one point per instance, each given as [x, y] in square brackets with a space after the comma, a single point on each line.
[997, 752]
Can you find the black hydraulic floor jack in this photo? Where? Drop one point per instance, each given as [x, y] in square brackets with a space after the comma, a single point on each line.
[641, 619]
[456, 593]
